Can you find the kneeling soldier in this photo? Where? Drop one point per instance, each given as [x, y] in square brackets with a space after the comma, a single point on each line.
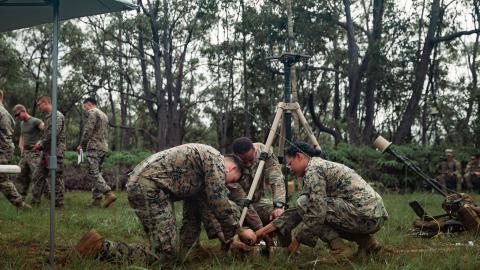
[184, 172]
[336, 204]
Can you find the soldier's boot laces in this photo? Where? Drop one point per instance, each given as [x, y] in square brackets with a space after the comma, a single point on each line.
[23, 206]
[90, 245]
[97, 202]
[339, 252]
[110, 197]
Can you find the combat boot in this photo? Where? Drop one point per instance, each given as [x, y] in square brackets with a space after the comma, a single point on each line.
[23, 206]
[97, 202]
[90, 245]
[339, 252]
[110, 197]
[367, 244]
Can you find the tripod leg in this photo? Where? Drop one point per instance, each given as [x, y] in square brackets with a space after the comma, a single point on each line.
[281, 144]
[258, 173]
[308, 130]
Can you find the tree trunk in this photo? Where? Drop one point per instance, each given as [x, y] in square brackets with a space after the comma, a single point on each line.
[373, 69]
[353, 78]
[420, 75]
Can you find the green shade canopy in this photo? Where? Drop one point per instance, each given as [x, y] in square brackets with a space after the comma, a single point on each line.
[17, 14]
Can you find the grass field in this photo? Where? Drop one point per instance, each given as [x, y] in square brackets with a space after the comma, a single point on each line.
[24, 240]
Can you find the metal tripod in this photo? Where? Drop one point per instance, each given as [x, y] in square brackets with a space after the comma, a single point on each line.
[284, 111]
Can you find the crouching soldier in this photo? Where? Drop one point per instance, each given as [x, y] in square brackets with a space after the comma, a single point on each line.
[336, 204]
[183, 173]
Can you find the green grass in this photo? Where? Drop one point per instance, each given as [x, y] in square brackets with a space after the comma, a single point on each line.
[24, 240]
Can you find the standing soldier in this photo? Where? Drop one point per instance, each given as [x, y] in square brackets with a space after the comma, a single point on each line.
[449, 172]
[6, 152]
[188, 172]
[472, 173]
[95, 141]
[30, 133]
[40, 182]
[251, 154]
[335, 204]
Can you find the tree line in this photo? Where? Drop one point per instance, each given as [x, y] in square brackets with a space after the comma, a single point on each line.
[176, 71]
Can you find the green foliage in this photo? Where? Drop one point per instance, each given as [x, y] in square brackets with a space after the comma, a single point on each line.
[114, 158]
[384, 168]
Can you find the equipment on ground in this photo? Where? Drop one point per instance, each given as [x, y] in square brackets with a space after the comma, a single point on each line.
[462, 214]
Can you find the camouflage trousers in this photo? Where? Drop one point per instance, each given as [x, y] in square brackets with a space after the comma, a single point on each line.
[472, 182]
[155, 210]
[264, 207]
[450, 182]
[41, 183]
[7, 187]
[28, 164]
[340, 222]
[95, 160]
[196, 212]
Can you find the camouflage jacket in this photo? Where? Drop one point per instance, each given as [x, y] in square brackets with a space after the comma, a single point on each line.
[446, 167]
[192, 170]
[326, 181]
[45, 141]
[95, 131]
[236, 196]
[472, 166]
[272, 175]
[6, 135]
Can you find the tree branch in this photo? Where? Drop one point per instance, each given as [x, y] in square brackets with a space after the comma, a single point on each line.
[454, 36]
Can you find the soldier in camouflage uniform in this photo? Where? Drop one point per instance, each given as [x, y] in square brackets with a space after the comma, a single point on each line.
[190, 230]
[189, 172]
[449, 175]
[472, 173]
[335, 204]
[40, 181]
[272, 175]
[30, 133]
[95, 141]
[6, 152]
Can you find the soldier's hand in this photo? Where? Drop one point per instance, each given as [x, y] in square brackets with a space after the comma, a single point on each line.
[247, 236]
[240, 247]
[293, 247]
[36, 147]
[275, 213]
[268, 241]
[260, 233]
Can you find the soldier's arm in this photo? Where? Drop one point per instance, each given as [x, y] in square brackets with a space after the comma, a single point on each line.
[20, 143]
[288, 220]
[313, 214]
[238, 195]
[47, 134]
[468, 170]
[273, 174]
[210, 222]
[217, 197]
[88, 128]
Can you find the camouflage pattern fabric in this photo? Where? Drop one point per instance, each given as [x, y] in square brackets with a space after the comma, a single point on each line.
[95, 131]
[47, 134]
[471, 179]
[449, 174]
[41, 183]
[95, 160]
[336, 202]
[272, 175]
[6, 152]
[29, 163]
[41, 179]
[6, 133]
[187, 172]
